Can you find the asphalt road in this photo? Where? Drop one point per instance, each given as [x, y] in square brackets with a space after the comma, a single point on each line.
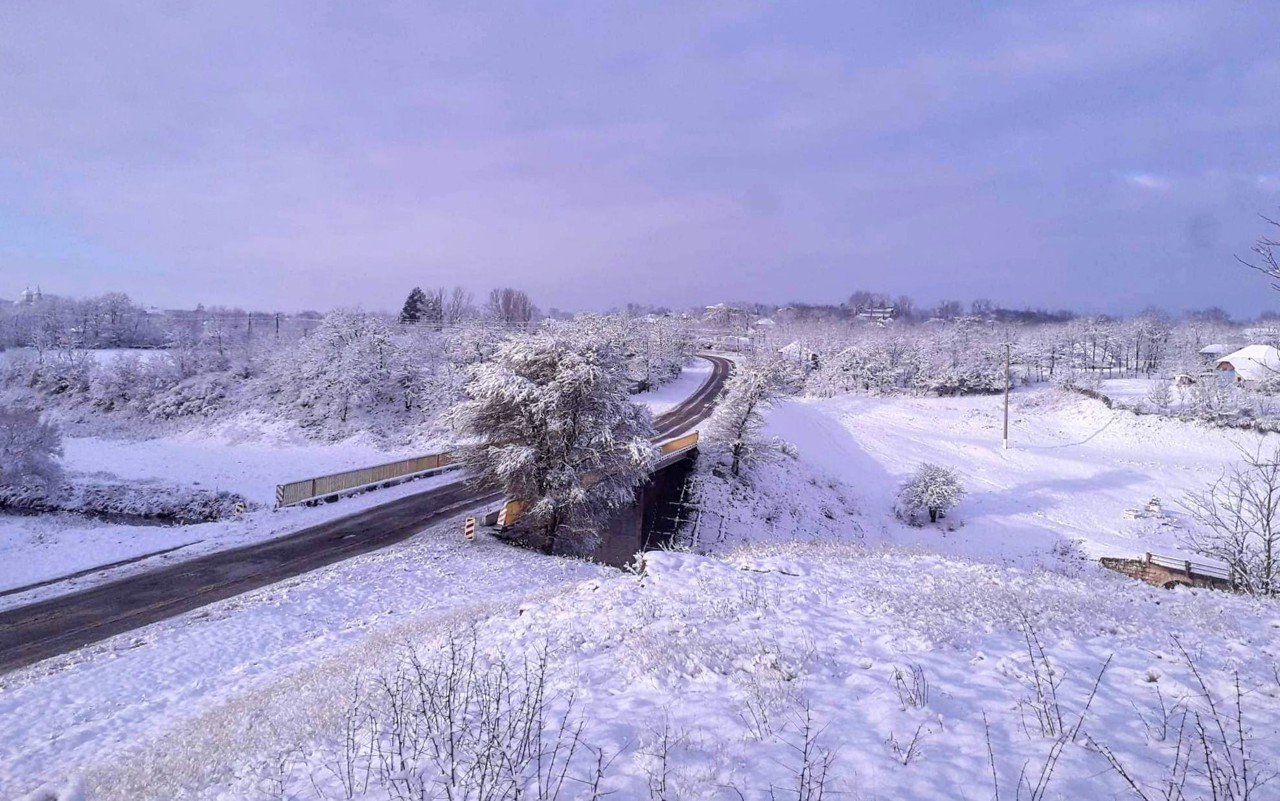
[29, 634]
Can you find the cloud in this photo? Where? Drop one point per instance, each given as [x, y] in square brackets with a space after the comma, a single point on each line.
[1149, 181]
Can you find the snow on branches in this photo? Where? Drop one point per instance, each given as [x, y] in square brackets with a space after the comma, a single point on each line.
[736, 427]
[548, 420]
[29, 447]
[1237, 521]
[933, 489]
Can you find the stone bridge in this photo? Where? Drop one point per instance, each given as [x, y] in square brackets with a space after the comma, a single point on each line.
[1170, 572]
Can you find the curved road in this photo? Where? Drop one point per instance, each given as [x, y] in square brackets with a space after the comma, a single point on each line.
[42, 630]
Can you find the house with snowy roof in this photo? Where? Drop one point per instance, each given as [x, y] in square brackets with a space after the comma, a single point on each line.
[1252, 364]
[1214, 353]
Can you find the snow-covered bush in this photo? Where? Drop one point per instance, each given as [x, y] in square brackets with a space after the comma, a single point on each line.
[866, 368]
[129, 383]
[60, 371]
[1160, 396]
[933, 489]
[151, 499]
[653, 349]
[351, 372]
[198, 396]
[979, 376]
[29, 447]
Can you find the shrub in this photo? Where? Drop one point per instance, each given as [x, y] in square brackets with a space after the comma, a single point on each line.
[29, 447]
[933, 489]
[197, 396]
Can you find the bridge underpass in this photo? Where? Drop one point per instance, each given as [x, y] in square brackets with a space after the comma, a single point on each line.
[648, 522]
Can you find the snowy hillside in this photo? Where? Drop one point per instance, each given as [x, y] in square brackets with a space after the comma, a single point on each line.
[916, 672]
[1072, 470]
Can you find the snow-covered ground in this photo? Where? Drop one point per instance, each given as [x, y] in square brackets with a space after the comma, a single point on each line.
[85, 708]
[885, 646]
[1134, 391]
[223, 460]
[1072, 470]
[723, 656]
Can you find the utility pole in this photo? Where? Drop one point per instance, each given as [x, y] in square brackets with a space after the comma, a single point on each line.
[1007, 379]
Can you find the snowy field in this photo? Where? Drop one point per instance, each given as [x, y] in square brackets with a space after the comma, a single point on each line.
[1072, 470]
[100, 356]
[225, 459]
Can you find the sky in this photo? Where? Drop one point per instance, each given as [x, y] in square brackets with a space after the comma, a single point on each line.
[271, 155]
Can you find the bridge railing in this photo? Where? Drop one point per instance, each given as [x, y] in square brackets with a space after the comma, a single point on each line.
[679, 444]
[309, 489]
[1202, 569]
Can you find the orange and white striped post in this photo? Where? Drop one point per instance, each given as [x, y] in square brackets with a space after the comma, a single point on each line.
[469, 529]
[502, 516]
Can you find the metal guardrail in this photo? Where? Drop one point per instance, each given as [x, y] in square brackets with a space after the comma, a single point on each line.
[310, 489]
[678, 444]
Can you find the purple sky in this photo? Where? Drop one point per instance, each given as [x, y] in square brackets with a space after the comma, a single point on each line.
[1103, 156]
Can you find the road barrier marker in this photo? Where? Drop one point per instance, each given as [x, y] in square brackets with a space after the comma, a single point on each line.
[469, 529]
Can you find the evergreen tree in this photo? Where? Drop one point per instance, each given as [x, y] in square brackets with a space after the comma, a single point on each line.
[415, 307]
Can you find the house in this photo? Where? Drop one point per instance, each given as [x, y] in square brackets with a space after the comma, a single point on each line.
[1252, 363]
[1214, 353]
[880, 315]
[800, 354]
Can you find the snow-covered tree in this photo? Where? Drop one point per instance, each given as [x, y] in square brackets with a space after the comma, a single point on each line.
[662, 347]
[29, 447]
[737, 425]
[933, 489]
[346, 364]
[548, 420]
[1238, 521]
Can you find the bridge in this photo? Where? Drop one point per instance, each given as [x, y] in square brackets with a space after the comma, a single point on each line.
[41, 630]
[1170, 571]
